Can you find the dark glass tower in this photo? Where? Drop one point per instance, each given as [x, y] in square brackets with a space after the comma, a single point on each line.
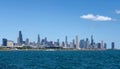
[38, 40]
[66, 42]
[113, 45]
[4, 42]
[20, 39]
[92, 40]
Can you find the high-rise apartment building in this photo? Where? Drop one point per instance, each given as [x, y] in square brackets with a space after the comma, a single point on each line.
[4, 42]
[77, 42]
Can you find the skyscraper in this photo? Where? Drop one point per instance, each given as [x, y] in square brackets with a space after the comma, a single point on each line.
[27, 41]
[77, 43]
[38, 40]
[73, 42]
[99, 45]
[82, 44]
[105, 45]
[92, 40]
[102, 45]
[66, 42]
[46, 41]
[4, 42]
[63, 44]
[87, 43]
[58, 42]
[20, 39]
[113, 45]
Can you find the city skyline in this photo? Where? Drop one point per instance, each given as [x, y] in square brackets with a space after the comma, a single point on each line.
[55, 19]
[45, 43]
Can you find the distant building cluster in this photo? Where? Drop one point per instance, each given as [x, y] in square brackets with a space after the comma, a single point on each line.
[44, 43]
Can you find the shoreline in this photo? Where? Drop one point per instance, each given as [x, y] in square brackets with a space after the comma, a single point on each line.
[50, 49]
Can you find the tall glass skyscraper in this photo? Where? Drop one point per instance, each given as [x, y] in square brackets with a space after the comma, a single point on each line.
[4, 42]
[77, 42]
[66, 42]
[92, 40]
[20, 39]
[87, 43]
[113, 45]
[58, 42]
[38, 40]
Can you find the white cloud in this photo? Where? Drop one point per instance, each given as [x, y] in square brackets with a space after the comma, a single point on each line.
[117, 11]
[96, 17]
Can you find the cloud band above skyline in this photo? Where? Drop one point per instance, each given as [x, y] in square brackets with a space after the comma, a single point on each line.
[96, 17]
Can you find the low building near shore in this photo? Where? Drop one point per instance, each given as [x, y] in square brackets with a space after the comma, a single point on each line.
[10, 43]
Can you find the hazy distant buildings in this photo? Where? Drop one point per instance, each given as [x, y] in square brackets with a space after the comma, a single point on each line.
[50, 44]
[101, 45]
[56, 44]
[43, 43]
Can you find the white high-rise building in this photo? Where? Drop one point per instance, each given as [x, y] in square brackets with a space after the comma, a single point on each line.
[102, 45]
[66, 42]
[77, 42]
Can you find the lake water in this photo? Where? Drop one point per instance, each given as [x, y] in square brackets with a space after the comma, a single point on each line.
[109, 59]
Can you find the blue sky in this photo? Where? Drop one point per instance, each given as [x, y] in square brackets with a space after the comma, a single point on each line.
[58, 18]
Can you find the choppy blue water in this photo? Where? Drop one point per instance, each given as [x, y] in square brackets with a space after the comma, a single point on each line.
[60, 59]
